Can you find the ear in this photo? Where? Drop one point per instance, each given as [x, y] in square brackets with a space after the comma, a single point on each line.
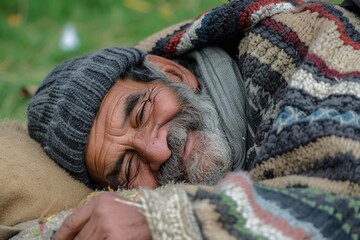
[176, 72]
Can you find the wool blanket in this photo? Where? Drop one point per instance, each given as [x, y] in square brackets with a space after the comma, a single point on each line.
[301, 65]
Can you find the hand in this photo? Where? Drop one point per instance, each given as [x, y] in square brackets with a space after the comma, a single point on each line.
[104, 218]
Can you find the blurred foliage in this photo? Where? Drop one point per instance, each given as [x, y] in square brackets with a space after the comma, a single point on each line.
[30, 31]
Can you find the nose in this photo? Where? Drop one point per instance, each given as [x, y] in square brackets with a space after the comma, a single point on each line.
[152, 146]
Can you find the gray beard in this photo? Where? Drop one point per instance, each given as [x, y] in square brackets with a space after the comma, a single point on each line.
[211, 156]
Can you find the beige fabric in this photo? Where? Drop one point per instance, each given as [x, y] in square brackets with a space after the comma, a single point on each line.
[30, 183]
[7, 232]
[148, 43]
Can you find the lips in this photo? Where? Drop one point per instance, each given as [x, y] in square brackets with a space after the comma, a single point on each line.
[188, 148]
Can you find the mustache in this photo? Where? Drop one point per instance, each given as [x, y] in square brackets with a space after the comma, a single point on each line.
[186, 121]
[211, 155]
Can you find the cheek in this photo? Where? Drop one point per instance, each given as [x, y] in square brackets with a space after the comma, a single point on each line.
[166, 105]
[144, 178]
[90, 155]
[101, 158]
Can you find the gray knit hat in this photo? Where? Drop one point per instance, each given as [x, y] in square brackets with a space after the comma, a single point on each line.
[64, 107]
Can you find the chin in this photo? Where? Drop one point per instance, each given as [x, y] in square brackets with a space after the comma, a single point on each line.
[210, 160]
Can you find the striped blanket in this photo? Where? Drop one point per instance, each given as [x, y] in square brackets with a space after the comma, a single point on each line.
[301, 63]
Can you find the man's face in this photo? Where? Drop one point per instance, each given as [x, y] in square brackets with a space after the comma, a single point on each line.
[147, 134]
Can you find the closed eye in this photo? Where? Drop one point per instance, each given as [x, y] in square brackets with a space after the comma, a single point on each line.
[128, 169]
[123, 178]
[140, 115]
[131, 169]
[144, 111]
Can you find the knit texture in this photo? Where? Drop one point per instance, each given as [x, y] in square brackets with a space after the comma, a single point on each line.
[240, 209]
[301, 69]
[301, 66]
[169, 214]
[64, 107]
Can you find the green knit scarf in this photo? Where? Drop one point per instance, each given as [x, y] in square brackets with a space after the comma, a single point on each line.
[220, 78]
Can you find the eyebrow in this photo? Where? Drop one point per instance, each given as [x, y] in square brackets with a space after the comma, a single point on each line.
[130, 103]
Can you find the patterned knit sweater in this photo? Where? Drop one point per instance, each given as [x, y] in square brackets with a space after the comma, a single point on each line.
[301, 63]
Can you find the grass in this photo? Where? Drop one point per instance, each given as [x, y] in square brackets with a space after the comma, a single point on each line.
[30, 33]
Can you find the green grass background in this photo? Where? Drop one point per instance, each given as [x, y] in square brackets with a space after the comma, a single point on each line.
[30, 31]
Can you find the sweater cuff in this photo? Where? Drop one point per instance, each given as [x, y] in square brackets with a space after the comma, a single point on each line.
[169, 213]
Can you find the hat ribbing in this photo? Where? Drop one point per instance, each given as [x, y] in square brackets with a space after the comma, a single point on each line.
[64, 107]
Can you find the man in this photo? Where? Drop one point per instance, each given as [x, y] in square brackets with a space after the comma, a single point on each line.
[140, 127]
[300, 64]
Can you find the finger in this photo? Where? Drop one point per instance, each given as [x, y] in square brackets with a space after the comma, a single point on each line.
[101, 223]
[71, 225]
[88, 232]
[76, 221]
[92, 231]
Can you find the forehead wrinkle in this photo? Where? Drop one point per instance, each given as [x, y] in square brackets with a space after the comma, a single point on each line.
[113, 105]
[97, 137]
[102, 157]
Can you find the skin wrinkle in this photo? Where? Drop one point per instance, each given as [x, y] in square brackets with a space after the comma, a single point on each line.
[209, 151]
[130, 103]
[140, 131]
[106, 151]
[117, 103]
[99, 153]
[117, 106]
[209, 173]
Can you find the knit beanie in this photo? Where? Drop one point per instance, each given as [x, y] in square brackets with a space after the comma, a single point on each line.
[64, 107]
